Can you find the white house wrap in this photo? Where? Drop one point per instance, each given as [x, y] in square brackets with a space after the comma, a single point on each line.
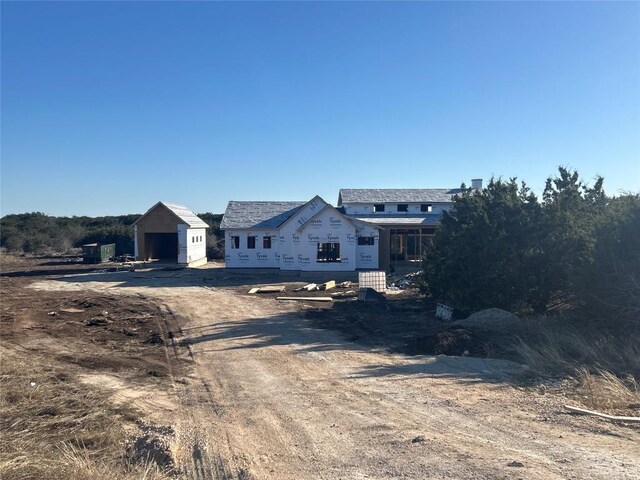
[373, 228]
[297, 236]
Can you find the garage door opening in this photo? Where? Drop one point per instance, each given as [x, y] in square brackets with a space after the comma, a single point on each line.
[161, 246]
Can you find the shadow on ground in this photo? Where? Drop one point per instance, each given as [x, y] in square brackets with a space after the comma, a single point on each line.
[294, 329]
[166, 277]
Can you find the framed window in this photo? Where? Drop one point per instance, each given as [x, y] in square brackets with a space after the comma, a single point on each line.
[426, 207]
[193, 239]
[251, 241]
[235, 241]
[378, 207]
[328, 252]
[266, 243]
[365, 241]
[403, 207]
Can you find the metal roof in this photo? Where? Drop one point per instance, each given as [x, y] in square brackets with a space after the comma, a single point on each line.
[186, 215]
[258, 214]
[429, 219]
[394, 195]
[182, 212]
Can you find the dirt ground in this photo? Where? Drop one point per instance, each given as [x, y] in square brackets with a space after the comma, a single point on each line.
[251, 387]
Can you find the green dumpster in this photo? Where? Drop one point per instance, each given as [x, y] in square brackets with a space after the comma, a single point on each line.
[98, 253]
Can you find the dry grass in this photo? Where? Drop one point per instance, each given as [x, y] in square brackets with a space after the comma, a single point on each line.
[606, 392]
[54, 427]
[604, 365]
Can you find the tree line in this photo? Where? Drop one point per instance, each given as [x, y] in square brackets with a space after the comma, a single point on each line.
[38, 234]
[503, 247]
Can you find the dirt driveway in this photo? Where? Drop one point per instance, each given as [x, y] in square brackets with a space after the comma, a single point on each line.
[272, 397]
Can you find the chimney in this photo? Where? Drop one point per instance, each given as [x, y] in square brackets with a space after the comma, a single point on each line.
[476, 183]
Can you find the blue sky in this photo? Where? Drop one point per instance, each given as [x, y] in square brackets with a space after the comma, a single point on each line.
[110, 107]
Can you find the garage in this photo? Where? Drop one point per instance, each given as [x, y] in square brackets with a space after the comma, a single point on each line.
[161, 246]
[171, 233]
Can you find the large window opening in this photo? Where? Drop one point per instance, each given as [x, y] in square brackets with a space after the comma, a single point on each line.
[235, 242]
[403, 207]
[426, 207]
[251, 242]
[378, 207]
[410, 244]
[266, 243]
[328, 252]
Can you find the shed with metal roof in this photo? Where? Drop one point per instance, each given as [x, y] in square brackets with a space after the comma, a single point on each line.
[171, 233]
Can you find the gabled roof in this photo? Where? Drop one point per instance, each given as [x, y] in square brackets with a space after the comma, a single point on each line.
[183, 213]
[326, 207]
[316, 198]
[352, 220]
[394, 195]
[258, 214]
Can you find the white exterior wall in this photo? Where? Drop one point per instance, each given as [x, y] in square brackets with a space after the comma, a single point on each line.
[355, 209]
[192, 244]
[367, 255]
[258, 257]
[299, 248]
[294, 245]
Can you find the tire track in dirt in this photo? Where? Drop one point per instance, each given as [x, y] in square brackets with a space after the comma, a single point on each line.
[273, 398]
[206, 460]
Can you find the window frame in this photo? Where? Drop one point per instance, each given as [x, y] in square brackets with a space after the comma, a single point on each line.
[328, 252]
[366, 241]
[266, 242]
[426, 207]
[378, 207]
[251, 242]
[402, 207]
[235, 242]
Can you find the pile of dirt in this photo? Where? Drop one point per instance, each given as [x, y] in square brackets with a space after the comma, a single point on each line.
[494, 320]
[152, 447]
[487, 333]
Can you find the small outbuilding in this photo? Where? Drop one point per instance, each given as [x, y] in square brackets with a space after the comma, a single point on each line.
[171, 233]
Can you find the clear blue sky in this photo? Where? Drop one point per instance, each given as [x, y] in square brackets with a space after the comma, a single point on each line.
[110, 107]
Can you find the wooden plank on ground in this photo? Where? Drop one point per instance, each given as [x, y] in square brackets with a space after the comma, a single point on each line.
[272, 289]
[307, 299]
[328, 285]
[254, 290]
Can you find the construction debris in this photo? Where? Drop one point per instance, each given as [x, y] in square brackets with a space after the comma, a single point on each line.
[347, 294]
[370, 295]
[602, 415]
[309, 287]
[327, 285]
[410, 280]
[307, 299]
[346, 284]
[444, 312]
[268, 289]
[375, 280]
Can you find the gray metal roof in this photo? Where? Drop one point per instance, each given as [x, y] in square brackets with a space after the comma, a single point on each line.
[186, 215]
[429, 219]
[258, 214]
[394, 195]
[182, 212]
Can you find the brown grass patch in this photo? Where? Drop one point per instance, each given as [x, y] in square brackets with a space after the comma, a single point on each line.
[605, 365]
[55, 427]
